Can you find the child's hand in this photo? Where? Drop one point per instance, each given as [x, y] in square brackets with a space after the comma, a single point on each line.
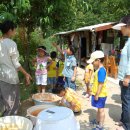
[64, 79]
[48, 68]
[96, 97]
[73, 78]
[61, 102]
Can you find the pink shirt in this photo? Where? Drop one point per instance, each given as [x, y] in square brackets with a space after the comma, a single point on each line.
[41, 66]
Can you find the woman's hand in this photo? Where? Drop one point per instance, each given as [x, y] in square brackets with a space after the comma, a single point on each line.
[28, 79]
[126, 82]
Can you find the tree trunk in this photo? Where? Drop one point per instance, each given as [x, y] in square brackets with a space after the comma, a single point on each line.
[23, 35]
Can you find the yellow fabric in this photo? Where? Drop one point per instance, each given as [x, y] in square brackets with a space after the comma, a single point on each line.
[103, 92]
[87, 73]
[52, 69]
[72, 97]
[61, 67]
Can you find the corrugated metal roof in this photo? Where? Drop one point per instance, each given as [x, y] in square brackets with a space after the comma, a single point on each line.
[90, 28]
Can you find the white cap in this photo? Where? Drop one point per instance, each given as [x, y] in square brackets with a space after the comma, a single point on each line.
[118, 26]
[95, 55]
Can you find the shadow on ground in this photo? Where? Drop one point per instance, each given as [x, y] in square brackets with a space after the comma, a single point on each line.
[116, 98]
[113, 109]
[91, 113]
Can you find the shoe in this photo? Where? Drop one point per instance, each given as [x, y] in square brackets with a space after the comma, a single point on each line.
[92, 123]
[119, 123]
[86, 96]
[84, 93]
[98, 127]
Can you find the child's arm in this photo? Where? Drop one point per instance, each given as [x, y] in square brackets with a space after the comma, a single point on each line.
[74, 75]
[101, 80]
[50, 61]
[84, 74]
[90, 74]
[58, 48]
[100, 85]
[57, 72]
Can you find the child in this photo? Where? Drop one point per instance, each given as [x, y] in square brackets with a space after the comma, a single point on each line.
[41, 68]
[60, 66]
[70, 66]
[52, 71]
[69, 97]
[99, 90]
[88, 78]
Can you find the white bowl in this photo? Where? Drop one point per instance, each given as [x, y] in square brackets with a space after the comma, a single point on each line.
[57, 118]
[16, 123]
[33, 111]
[45, 98]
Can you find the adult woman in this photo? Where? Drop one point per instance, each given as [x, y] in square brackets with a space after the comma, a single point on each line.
[9, 67]
[124, 73]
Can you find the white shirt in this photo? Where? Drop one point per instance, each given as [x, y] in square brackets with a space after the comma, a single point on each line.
[9, 61]
[124, 66]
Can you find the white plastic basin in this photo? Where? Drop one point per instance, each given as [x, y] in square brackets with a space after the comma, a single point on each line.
[15, 123]
[57, 118]
[33, 111]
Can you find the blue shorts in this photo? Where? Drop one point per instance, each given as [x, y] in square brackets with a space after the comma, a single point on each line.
[100, 103]
[51, 81]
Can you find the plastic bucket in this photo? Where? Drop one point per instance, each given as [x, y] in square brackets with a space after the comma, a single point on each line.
[45, 98]
[15, 123]
[33, 111]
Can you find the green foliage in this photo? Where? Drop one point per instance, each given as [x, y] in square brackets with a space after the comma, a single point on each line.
[42, 18]
[48, 43]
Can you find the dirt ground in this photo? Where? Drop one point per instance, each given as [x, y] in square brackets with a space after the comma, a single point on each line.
[112, 110]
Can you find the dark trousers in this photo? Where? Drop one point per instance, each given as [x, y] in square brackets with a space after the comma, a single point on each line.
[125, 97]
[9, 97]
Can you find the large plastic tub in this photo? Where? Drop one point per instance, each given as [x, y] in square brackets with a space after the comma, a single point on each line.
[57, 118]
[33, 111]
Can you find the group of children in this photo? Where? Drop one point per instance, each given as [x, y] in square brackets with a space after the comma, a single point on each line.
[61, 74]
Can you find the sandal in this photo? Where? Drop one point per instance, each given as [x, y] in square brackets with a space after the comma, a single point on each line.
[120, 128]
[119, 123]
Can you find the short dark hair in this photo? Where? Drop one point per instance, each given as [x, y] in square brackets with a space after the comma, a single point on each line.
[101, 59]
[42, 47]
[126, 20]
[72, 49]
[6, 26]
[53, 54]
[58, 89]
